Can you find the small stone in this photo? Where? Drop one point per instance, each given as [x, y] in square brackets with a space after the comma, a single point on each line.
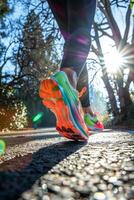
[27, 195]
[66, 182]
[66, 192]
[115, 181]
[45, 197]
[73, 179]
[53, 188]
[106, 177]
[44, 187]
[95, 179]
[99, 196]
[84, 191]
[115, 191]
[97, 165]
[128, 166]
[132, 188]
[92, 187]
[92, 172]
[81, 182]
[102, 187]
[130, 195]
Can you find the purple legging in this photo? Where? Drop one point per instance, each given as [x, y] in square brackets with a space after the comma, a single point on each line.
[75, 18]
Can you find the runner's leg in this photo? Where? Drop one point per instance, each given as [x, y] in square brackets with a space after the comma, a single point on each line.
[75, 21]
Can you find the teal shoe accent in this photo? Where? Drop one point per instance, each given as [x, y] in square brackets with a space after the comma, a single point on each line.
[62, 79]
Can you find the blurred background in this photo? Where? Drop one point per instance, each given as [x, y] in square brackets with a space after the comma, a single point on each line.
[31, 49]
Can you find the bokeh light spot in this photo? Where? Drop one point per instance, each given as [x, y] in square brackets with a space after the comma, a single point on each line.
[2, 147]
[37, 117]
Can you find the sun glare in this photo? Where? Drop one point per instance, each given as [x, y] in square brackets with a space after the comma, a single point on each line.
[113, 61]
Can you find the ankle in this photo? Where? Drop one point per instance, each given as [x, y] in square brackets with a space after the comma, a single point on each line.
[72, 76]
[88, 110]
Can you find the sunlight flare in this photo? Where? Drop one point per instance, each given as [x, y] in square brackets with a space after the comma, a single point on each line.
[113, 61]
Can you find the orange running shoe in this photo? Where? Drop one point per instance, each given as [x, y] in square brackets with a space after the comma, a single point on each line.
[62, 99]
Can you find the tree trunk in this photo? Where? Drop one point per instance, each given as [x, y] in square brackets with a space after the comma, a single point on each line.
[110, 92]
[125, 102]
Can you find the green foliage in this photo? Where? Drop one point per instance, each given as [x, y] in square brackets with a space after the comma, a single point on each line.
[98, 101]
[4, 7]
[131, 4]
[130, 116]
[13, 117]
[36, 53]
[37, 60]
[13, 112]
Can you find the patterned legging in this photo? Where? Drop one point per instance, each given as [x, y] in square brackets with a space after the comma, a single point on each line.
[75, 18]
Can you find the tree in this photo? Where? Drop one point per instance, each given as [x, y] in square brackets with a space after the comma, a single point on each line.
[35, 54]
[107, 26]
[36, 59]
[32, 54]
[4, 8]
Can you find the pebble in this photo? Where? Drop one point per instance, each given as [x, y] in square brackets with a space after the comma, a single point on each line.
[99, 196]
[83, 191]
[53, 188]
[66, 192]
[102, 187]
[115, 181]
[44, 187]
[45, 197]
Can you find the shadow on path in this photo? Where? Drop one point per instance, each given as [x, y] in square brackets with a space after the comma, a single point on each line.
[31, 167]
[28, 132]
[10, 141]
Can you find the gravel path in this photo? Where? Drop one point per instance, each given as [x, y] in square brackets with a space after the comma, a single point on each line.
[45, 166]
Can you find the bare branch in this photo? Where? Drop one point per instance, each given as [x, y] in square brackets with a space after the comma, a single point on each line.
[5, 58]
[106, 10]
[105, 33]
[130, 78]
[128, 14]
[132, 41]
[94, 75]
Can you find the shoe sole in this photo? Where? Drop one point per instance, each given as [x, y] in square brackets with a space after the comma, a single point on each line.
[94, 129]
[67, 123]
[68, 93]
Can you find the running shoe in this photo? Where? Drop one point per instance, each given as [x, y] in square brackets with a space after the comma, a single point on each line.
[93, 123]
[63, 100]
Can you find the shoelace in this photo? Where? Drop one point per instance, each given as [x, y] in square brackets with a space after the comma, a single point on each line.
[82, 92]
